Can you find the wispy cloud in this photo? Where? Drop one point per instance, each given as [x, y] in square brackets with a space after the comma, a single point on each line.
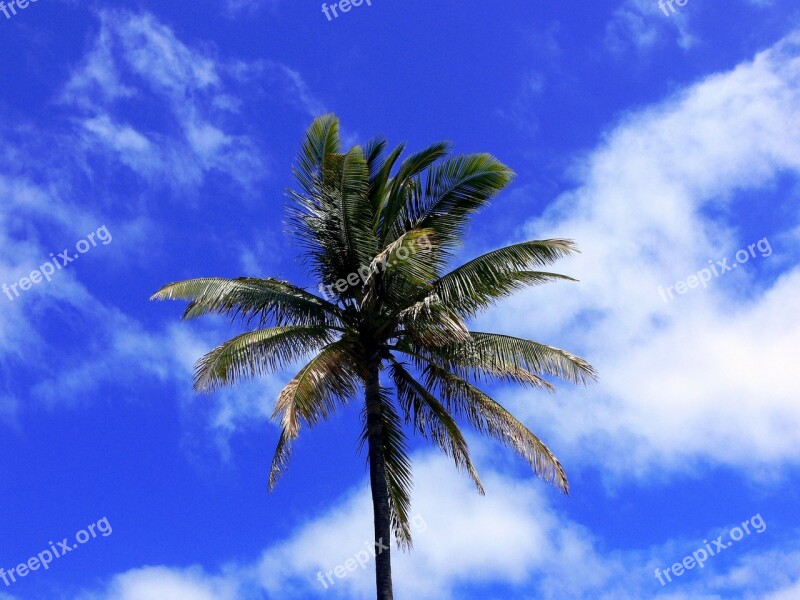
[138, 65]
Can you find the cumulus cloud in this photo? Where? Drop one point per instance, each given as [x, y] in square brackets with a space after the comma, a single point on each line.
[518, 535]
[152, 583]
[709, 374]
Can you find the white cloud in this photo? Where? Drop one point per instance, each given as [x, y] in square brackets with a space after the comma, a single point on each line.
[508, 535]
[709, 375]
[160, 583]
[517, 535]
[136, 58]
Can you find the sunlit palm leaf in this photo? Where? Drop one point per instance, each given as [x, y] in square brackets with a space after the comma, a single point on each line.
[327, 381]
[497, 274]
[529, 355]
[258, 353]
[252, 299]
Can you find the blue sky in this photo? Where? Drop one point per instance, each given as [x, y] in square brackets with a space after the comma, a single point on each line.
[663, 144]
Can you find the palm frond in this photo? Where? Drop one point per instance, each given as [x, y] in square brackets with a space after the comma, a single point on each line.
[358, 239]
[394, 451]
[487, 348]
[475, 369]
[373, 151]
[379, 184]
[454, 190]
[489, 418]
[402, 269]
[257, 353]
[314, 392]
[430, 323]
[327, 381]
[280, 458]
[252, 299]
[432, 421]
[470, 293]
[320, 142]
[398, 190]
[482, 281]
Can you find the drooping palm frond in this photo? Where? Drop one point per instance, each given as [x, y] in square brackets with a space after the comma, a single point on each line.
[393, 452]
[489, 418]
[526, 354]
[262, 300]
[328, 380]
[432, 420]
[258, 353]
[469, 366]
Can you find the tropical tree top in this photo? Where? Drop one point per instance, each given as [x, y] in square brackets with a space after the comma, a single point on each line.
[377, 233]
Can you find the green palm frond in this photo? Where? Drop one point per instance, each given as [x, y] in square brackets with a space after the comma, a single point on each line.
[358, 239]
[263, 300]
[526, 354]
[401, 185]
[379, 183]
[258, 353]
[454, 190]
[404, 268]
[321, 141]
[470, 293]
[373, 151]
[482, 281]
[454, 357]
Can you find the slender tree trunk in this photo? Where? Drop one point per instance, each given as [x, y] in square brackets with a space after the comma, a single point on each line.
[379, 485]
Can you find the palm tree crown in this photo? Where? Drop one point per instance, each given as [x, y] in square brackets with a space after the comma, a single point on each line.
[378, 234]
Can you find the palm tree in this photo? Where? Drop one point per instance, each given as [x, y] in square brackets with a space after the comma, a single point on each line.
[379, 238]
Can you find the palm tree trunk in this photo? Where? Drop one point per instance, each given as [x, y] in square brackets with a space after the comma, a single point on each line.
[379, 485]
